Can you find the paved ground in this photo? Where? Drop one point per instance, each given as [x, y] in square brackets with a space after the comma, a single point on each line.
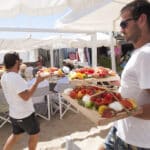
[83, 133]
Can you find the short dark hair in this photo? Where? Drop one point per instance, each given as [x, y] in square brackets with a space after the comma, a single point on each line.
[138, 7]
[10, 59]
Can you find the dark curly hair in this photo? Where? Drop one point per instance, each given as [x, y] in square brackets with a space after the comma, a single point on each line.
[10, 59]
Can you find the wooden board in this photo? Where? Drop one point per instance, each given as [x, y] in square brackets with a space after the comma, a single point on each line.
[95, 117]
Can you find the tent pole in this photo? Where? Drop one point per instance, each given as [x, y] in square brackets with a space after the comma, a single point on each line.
[94, 49]
[52, 57]
[113, 61]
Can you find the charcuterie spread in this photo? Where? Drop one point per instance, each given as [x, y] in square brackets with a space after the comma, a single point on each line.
[104, 104]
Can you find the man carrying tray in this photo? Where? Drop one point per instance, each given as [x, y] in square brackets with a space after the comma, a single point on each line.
[18, 96]
[133, 133]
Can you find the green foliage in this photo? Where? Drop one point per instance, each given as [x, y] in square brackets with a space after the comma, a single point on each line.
[104, 61]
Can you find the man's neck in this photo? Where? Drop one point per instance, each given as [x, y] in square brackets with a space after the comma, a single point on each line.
[144, 39]
[142, 42]
[12, 70]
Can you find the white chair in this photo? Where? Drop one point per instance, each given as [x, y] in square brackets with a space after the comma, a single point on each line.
[61, 104]
[4, 115]
[43, 91]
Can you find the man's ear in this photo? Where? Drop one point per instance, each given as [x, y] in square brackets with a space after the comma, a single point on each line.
[17, 61]
[142, 21]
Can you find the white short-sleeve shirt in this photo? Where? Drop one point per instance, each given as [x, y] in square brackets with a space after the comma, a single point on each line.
[13, 84]
[135, 79]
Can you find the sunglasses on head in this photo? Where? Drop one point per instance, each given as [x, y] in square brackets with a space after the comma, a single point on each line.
[124, 23]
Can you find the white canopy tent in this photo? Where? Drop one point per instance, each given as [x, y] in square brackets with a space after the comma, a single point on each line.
[30, 45]
[31, 7]
[103, 16]
[57, 41]
[84, 16]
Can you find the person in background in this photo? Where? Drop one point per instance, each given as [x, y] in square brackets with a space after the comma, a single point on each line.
[37, 68]
[29, 73]
[22, 70]
[133, 133]
[18, 96]
[41, 60]
[67, 67]
[127, 50]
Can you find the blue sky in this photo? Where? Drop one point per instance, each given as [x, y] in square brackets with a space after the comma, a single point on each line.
[24, 21]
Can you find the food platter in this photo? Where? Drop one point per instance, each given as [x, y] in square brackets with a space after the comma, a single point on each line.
[111, 83]
[94, 80]
[95, 117]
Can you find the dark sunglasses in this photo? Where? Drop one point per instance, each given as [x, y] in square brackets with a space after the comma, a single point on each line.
[124, 23]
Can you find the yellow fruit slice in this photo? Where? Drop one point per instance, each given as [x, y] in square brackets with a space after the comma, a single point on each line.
[133, 102]
[79, 95]
[60, 72]
[79, 75]
[101, 109]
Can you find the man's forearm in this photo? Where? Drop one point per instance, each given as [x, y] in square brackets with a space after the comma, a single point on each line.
[28, 93]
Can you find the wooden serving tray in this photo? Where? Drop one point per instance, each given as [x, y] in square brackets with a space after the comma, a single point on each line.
[95, 117]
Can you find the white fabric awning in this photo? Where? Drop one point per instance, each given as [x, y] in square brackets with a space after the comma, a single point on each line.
[31, 7]
[42, 7]
[18, 44]
[101, 16]
[53, 42]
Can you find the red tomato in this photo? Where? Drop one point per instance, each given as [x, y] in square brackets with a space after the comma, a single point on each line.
[98, 101]
[83, 91]
[89, 92]
[108, 113]
[90, 71]
[108, 98]
[106, 101]
[73, 94]
[118, 95]
[93, 99]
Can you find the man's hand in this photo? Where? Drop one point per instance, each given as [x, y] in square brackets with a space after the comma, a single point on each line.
[146, 112]
[40, 78]
[25, 95]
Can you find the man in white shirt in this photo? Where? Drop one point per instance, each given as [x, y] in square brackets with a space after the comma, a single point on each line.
[18, 96]
[133, 133]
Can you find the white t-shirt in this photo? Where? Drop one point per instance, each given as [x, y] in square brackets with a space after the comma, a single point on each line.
[135, 78]
[13, 84]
